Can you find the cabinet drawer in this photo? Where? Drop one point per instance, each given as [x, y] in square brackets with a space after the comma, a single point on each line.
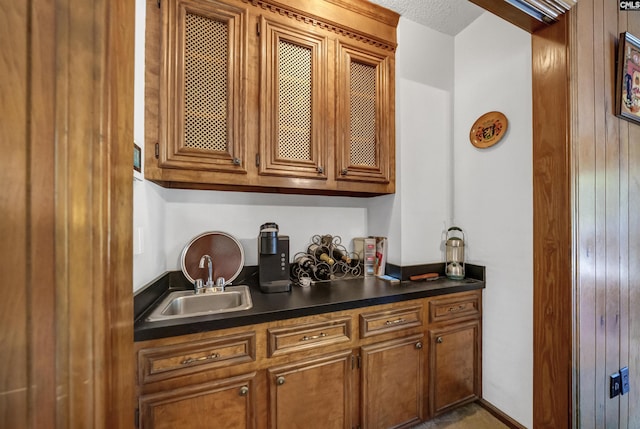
[174, 360]
[381, 322]
[308, 336]
[454, 308]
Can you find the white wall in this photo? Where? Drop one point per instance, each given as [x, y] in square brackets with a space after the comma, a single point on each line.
[148, 205]
[493, 202]
[190, 213]
[416, 215]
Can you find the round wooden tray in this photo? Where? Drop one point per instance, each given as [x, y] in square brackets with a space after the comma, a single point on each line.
[488, 129]
[226, 253]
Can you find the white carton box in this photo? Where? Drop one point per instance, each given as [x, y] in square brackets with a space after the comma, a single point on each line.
[365, 248]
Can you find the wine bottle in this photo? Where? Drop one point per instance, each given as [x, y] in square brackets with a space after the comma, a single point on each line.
[320, 253]
[322, 271]
[304, 262]
[340, 255]
[302, 266]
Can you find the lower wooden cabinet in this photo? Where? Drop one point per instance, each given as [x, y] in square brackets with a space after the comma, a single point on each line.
[385, 366]
[230, 401]
[454, 366]
[392, 380]
[312, 393]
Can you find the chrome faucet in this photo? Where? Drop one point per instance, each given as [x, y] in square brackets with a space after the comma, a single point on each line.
[210, 286]
[209, 261]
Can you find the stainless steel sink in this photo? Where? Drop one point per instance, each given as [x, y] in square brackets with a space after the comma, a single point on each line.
[187, 303]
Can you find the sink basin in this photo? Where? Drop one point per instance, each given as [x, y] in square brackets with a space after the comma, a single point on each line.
[187, 303]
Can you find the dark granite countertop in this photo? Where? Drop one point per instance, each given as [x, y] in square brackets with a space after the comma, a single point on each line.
[316, 299]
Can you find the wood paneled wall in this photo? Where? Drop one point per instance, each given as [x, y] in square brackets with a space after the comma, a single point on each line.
[606, 158]
[66, 335]
[586, 224]
[13, 223]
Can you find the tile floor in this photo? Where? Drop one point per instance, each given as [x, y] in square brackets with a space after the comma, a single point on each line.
[471, 416]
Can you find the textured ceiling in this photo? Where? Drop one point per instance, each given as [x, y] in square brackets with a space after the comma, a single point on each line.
[446, 16]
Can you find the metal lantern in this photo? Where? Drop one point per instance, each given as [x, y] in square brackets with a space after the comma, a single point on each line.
[454, 249]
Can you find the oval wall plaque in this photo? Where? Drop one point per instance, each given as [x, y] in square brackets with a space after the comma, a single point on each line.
[488, 129]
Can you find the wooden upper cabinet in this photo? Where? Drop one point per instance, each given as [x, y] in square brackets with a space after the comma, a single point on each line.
[201, 86]
[293, 109]
[364, 131]
[271, 96]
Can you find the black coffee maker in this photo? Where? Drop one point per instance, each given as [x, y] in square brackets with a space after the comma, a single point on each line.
[273, 260]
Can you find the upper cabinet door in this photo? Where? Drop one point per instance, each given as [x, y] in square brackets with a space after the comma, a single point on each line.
[293, 101]
[270, 96]
[202, 94]
[364, 106]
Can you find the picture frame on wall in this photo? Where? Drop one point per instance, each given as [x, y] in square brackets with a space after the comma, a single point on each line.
[137, 162]
[628, 78]
[137, 158]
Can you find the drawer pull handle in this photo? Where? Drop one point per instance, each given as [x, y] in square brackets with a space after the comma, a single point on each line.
[394, 322]
[244, 390]
[313, 337]
[280, 380]
[191, 360]
[458, 308]
[439, 340]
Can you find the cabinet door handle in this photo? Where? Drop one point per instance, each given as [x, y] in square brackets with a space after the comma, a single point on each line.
[394, 322]
[314, 337]
[244, 390]
[320, 169]
[439, 340]
[236, 161]
[419, 345]
[344, 171]
[191, 360]
[280, 380]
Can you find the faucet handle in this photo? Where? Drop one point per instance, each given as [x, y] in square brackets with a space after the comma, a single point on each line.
[198, 286]
[217, 287]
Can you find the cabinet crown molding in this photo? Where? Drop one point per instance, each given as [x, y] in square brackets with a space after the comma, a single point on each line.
[379, 19]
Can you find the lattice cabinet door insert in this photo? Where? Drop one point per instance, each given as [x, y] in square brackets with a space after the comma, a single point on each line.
[202, 91]
[363, 132]
[293, 102]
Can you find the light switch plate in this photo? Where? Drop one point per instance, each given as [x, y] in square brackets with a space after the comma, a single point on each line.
[624, 383]
[137, 162]
[614, 385]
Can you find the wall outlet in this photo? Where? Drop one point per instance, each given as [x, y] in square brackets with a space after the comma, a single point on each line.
[614, 385]
[624, 382]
